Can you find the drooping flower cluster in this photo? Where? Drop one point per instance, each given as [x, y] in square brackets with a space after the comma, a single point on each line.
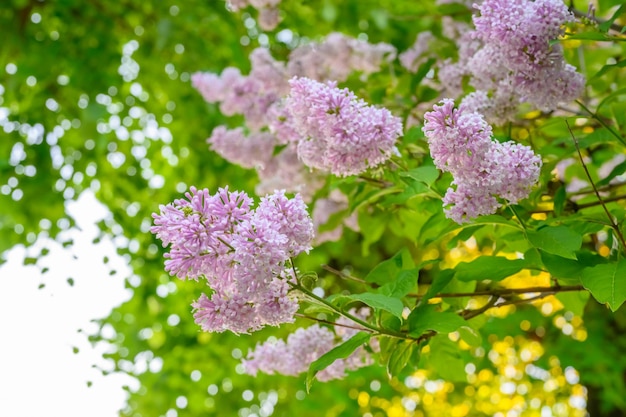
[509, 58]
[242, 252]
[483, 169]
[306, 345]
[340, 132]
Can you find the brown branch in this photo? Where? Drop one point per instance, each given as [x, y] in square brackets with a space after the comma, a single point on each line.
[607, 187]
[500, 292]
[606, 200]
[468, 314]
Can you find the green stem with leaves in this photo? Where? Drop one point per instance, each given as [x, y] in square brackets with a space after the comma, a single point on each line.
[367, 326]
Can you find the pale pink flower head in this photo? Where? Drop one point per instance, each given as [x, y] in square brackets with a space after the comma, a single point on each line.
[343, 134]
[252, 151]
[244, 254]
[485, 171]
[306, 345]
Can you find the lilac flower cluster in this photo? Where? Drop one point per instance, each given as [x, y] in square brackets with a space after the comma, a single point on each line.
[268, 11]
[304, 346]
[251, 95]
[253, 151]
[337, 56]
[483, 169]
[340, 132]
[259, 98]
[516, 36]
[336, 202]
[509, 59]
[413, 57]
[242, 252]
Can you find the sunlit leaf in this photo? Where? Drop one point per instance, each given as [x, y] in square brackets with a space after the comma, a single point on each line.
[606, 283]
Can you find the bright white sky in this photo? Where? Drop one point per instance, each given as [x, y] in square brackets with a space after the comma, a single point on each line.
[40, 375]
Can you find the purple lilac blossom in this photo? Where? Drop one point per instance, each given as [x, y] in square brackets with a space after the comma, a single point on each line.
[285, 172]
[342, 133]
[324, 208]
[516, 35]
[337, 56]
[483, 169]
[243, 253]
[304, 346]
[250, 151]
[268, 11]
[413, 57]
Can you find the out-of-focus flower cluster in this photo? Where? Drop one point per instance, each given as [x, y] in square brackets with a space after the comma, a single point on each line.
[306, 345]
[259, 97]
[509, 59]
[483, 169]
[243, 253]
[269, 16]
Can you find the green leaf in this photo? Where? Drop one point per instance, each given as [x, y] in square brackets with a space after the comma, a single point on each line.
[400, 357]
[403, 284]
[609, 67]
[427, 317]
[386, 271]
[619, 114]
[341, 351]
[568, 270]
[574, 301]
[605, 26]
[426, 174]
[495, 220]
[494, 268]
[470, 336]
[440, 282]
[593, 36]
[560, 197]
[421, 73]
[558, 240]
[607, 283]
[380, 302]
[446, 360]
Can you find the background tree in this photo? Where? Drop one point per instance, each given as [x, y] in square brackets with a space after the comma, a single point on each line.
[98, 96]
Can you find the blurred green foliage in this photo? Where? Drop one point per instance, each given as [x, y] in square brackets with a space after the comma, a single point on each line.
[97, 95]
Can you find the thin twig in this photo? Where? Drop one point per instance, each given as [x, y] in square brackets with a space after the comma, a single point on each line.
[607, 187]
[521, 300]
[305, 316]
[601, 121]
[343, 275]
[376, 182]
[517, 216]
[468, 314]
[606, 200]
[614, 26]
[606, 210]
